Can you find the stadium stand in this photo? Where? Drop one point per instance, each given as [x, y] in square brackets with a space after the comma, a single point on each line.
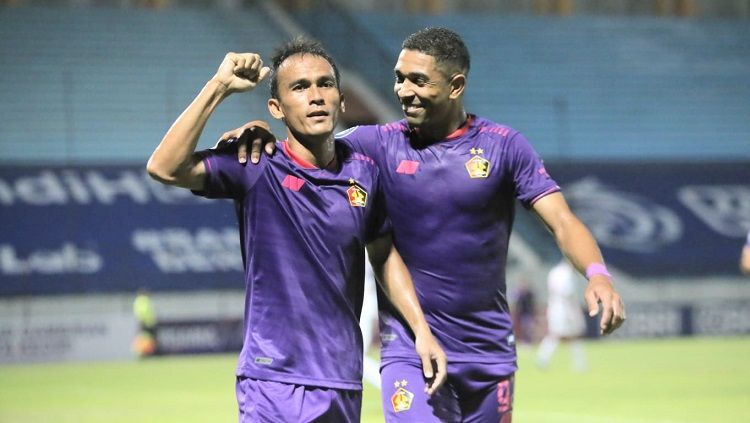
[645, 121]
[592, 87]
[97, 84]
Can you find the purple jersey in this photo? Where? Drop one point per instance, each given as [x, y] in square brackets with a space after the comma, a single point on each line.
[451, 206]
[303, 231]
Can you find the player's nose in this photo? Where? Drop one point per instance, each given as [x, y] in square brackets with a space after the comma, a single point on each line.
[403, 90]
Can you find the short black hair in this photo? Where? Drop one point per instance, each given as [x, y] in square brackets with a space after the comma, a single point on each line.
[446, 46]
[299, 45]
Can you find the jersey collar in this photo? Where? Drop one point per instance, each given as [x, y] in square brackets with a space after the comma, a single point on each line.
[299, 161]
[460, 131]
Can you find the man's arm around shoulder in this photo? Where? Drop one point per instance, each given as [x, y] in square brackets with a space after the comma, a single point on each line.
[394, 278]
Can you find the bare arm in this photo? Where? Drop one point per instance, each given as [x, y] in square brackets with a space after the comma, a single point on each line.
[579, 246]
[174, 161]
[394, 278]
[745, 260]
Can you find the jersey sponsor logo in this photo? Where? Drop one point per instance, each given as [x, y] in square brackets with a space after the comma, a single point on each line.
[401, 399]
[293, 183]
[407, 167]
[263, 360]
[388, 337]
[477, 166]
[356, 194]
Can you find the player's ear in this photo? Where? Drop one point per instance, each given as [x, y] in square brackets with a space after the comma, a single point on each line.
[458, 85]
[342, 106]
[274, 107]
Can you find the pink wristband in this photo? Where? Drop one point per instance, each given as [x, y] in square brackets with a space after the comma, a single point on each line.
[597, 269]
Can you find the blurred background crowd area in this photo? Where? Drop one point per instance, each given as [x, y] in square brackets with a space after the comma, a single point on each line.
[641, 110]
[732, 9]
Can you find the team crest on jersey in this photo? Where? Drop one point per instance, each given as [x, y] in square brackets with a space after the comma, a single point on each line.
[478, 166]
[357, 195]
[401, 399]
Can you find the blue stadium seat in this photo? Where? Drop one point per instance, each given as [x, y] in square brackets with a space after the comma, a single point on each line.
[591, 88]
[104, 84]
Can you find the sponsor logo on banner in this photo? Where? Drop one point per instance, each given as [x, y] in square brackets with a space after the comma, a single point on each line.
[723, 208]
[68, 259]
[623, 220]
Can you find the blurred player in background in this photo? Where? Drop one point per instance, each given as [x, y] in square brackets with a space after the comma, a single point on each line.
[745, 258]
[523, 309]
[144, 343]
[304, 216]
[565, 321]
[450, 184]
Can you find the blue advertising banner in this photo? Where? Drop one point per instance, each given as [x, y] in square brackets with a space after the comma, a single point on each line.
[663, 219]
[199, 336]
[111, 229]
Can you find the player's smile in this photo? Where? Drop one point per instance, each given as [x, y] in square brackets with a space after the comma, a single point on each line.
[412, 110]
[421, 89]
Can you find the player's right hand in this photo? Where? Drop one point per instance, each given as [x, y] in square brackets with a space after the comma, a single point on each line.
[257, 134]
[434, 362]
[601, 291]
[240, 72]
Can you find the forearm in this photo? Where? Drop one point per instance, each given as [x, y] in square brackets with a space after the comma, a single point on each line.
[745, 260]
[174, 162]
[399, 289]
[572, 236]
[581, 249]
[577, 244]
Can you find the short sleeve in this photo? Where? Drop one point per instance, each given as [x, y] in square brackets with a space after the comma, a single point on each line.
[225, 176]
[530, 177]
[378, 224]
[365, 139]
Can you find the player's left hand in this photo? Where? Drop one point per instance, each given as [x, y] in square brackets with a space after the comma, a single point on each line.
[600, 290]
[434, 362]
[260, 141]
[256, 133]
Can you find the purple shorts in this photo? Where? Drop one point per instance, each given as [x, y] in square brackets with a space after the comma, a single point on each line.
[263, 401]
[474, 392]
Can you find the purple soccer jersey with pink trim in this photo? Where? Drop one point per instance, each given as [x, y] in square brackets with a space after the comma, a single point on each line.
[451, 207]
[303, 231]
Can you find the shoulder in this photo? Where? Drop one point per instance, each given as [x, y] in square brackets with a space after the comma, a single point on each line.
[223, 159]
[393, 128]
[503, 139]
[493, 130]
[372, 140]
[350, 154]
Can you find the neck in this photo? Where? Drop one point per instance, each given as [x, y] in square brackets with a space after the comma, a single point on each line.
[319, 152]
[444, 127]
